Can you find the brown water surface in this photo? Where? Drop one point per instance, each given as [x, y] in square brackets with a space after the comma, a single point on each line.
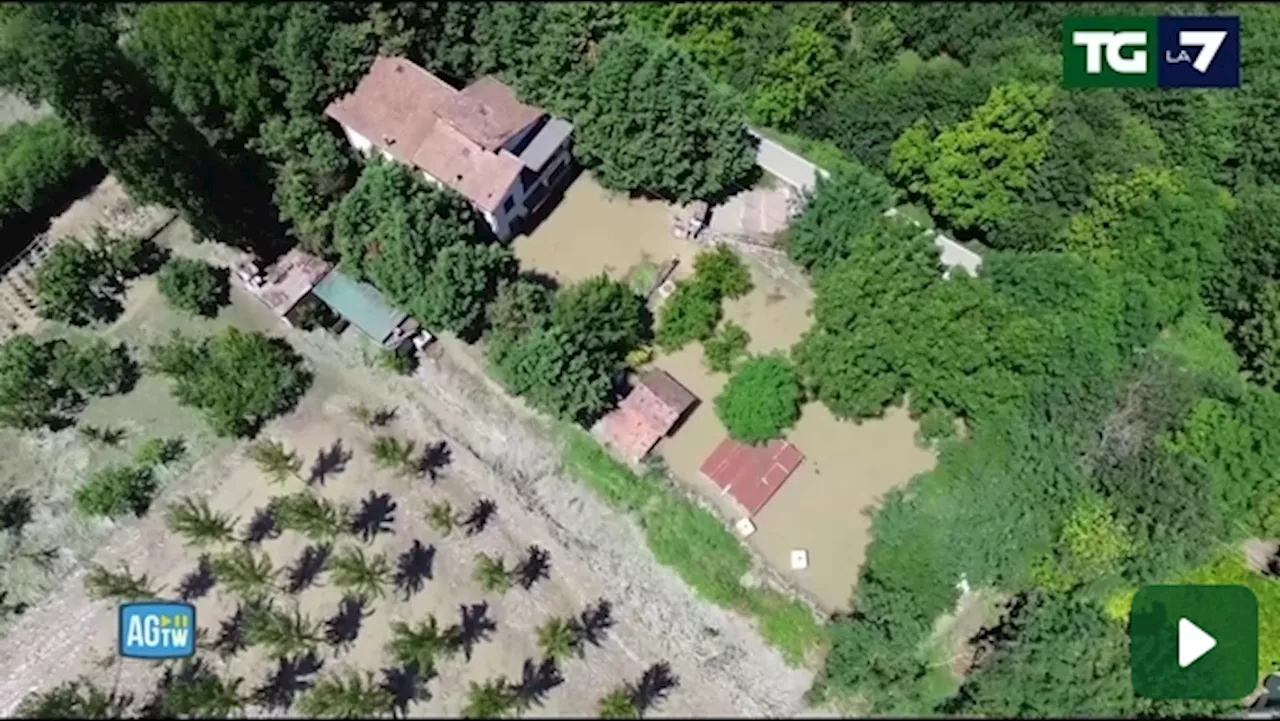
[847, 467]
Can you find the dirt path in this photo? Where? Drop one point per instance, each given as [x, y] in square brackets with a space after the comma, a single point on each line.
[497, 452]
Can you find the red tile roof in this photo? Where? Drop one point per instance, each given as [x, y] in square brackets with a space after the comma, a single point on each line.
[423, 121]
[751, 474]
[650, 411]
[488, 113]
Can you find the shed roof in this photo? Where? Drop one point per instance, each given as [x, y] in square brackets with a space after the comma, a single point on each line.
[676, 398]
[652, 408]
[360, 303]
[751, 474]
[287, 281]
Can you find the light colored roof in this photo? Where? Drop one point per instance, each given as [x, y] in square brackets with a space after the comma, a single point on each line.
[481, 177]
[954, 254]
[287, 281]
[359, 303]
[488, 113]
[548, 138]
[396, 101]
[423, 121]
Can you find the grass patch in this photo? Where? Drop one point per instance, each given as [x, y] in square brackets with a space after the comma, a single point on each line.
[917, 214]
[602, 473]
[695, 544]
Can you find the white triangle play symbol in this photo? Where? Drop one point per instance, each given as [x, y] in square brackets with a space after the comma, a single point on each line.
[1192, 643]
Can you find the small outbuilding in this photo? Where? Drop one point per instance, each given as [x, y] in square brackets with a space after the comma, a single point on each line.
[751, 474]
[366, 308]
[655, 405]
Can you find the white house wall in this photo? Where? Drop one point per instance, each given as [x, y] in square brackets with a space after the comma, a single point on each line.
[358, 141]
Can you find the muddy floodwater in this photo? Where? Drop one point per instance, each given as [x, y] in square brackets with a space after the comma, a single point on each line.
[847, 468]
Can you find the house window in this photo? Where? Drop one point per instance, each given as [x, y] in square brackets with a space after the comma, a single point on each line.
[508, 204]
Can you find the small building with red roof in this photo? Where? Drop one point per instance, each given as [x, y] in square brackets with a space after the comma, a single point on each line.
[751, 474]
[503, 156]
[655, 405]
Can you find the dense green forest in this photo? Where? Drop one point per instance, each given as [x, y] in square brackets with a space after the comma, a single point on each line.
[1115, 366]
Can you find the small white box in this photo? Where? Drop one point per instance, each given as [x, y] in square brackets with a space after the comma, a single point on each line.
[799, 559]
[744, 527]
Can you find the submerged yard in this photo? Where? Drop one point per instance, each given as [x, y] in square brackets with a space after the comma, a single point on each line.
[848, 466]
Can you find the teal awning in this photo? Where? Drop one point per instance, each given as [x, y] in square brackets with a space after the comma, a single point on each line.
[360, 303]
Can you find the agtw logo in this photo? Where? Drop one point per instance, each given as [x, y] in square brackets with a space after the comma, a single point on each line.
[157, 630]
[1166, 52]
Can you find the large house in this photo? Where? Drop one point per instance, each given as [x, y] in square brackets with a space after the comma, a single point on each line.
[502, 155]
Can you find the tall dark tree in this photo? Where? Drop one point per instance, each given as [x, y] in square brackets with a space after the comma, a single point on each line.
[654, 124]
[68, 55]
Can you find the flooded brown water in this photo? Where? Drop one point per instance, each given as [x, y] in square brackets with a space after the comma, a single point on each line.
[847, 467]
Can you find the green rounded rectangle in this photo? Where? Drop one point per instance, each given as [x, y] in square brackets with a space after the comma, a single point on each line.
[1228, 615]
[1109, 52]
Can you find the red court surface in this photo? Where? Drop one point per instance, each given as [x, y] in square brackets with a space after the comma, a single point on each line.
[751, 474]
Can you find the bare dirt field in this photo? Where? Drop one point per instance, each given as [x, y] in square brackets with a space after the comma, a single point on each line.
[496, 452]
[848, 466]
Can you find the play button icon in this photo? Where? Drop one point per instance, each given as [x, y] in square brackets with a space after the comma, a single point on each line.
[1193, 643]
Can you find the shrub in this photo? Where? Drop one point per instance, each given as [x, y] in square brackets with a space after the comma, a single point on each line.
[96, 368]
[39, 165]
[397, 362]
[129, 256]
[117, 490]
[760, 401]
[722, 271]
[194, 286]
[691, 313]
[159, 452]
[77, 285]
[41, 383]
[239, 380]
[722, 351]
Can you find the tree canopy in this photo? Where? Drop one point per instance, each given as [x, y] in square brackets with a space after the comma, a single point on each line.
[653, 123]
[238, 380]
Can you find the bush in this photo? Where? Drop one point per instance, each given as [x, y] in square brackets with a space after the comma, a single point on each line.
[117, 490]
[129, 256]
[77, 285]
[760, 401]
[96, 368]
[723, 272]
[159, 452]
[40, 164]
[691, 313]
[936, 424]
[194, 286]
[397, 362]
[42, 383]
[238, 379]
[723, 351]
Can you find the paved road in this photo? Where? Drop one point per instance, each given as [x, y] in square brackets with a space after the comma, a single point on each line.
[786, 164]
